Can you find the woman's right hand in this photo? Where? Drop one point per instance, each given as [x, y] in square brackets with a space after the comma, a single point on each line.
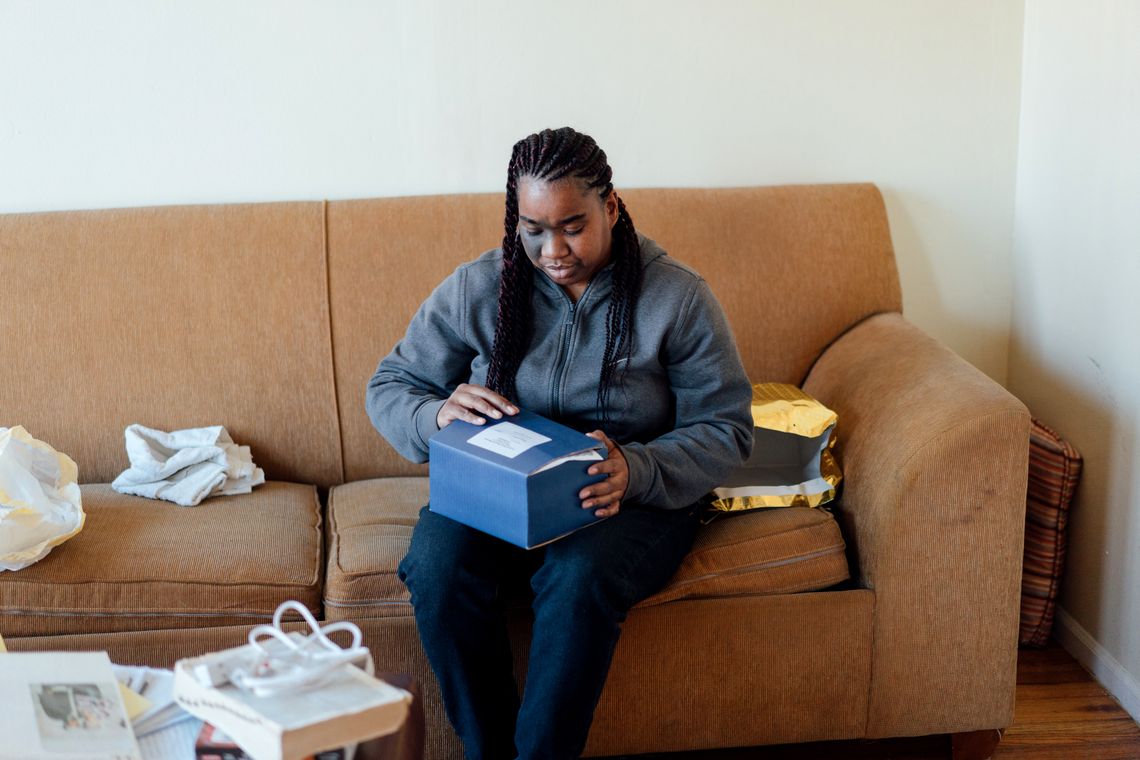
[473, 403]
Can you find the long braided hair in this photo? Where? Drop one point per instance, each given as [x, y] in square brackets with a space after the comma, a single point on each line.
[550, 155]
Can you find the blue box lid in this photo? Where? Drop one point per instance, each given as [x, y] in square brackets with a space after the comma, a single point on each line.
[524, 442]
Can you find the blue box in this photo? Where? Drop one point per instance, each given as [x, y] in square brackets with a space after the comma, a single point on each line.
[516, 478]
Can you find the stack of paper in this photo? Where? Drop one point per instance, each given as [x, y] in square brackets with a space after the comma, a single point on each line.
[149, 698]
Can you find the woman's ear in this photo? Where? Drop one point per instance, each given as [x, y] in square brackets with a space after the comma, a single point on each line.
[612, 208]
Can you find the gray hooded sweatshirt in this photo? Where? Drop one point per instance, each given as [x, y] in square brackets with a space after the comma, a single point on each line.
[681, 413]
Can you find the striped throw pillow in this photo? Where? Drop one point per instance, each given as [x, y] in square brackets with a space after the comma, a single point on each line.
[1054, 468]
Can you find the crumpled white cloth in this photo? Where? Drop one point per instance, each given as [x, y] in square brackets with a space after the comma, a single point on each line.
[186, 466]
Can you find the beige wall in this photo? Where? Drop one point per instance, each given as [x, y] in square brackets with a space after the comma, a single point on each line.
[127, 102]
[1074, 351]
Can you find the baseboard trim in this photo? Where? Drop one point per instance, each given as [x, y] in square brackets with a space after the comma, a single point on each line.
[1097, 660]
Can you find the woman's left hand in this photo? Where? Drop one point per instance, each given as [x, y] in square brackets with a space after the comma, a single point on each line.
[607, 493]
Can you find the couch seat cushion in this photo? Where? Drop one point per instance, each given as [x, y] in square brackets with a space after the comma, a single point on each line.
[143, 564]
[774, 551]
[370, 528]
[766, 551]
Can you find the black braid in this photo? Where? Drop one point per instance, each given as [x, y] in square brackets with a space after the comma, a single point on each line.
[551, 155]
[619, 318]
[513, 325]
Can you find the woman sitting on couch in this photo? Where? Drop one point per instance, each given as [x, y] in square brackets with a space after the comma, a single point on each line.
[577, 318]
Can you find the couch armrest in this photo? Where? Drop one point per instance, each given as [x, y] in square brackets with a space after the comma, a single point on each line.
[935, 460]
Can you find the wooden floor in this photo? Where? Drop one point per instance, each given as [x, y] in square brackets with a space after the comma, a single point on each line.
[1061, 714]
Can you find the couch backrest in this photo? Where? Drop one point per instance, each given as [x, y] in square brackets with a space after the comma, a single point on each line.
[794, 267]
[172, 317]
[270, 318]
[385, 257]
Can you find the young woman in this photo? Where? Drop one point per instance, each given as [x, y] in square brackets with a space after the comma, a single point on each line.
[580, 319]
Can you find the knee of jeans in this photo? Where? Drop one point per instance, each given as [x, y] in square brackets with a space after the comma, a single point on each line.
[402, 570]
[421, 574]
[438, 580]
[428, 589]
[581, 587]
[425, 576]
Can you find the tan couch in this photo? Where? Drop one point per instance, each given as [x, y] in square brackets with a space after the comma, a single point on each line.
[270, 318]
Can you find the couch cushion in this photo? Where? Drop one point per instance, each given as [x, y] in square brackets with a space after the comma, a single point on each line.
[793, 266]
[370, 528]
[772, 551]
[386, 255]
[142, 564]
[172, 317]
[767, 551]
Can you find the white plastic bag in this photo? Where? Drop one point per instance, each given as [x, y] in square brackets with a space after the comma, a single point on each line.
[40, 504]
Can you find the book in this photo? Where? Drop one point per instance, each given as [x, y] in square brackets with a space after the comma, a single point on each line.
[64, 706]
[215, 744]
[516, 478]
[347, 707]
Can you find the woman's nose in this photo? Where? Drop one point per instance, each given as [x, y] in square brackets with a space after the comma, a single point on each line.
[554, 247]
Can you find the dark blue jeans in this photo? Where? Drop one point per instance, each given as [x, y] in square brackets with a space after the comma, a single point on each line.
[583, 584]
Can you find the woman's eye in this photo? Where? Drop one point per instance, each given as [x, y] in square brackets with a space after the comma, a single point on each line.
[573, 230]
[532, 233]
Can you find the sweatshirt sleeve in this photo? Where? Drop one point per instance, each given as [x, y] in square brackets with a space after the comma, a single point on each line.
[413, 382]
[712, 434]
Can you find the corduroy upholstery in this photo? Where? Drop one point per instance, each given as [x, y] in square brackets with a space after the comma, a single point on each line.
[793, 266]
[775, 551]
[385, 257]
[141, 564]
[914, 417]
[769, 551]
[759, 669]
[172, 317]
[270, 318]
[370, 528]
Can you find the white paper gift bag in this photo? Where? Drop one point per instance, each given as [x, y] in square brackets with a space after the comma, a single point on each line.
[40, 504]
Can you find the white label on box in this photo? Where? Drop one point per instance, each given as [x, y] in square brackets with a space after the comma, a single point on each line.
[507, 439]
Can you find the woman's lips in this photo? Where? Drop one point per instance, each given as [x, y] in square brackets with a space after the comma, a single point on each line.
[560, 273]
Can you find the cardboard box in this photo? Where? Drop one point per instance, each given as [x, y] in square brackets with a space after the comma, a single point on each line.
[516, 478]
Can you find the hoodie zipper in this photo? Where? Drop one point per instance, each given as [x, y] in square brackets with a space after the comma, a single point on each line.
[560, 363]
[565, 341]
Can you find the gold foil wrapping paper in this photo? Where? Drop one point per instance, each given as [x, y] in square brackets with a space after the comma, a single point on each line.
[792, 463]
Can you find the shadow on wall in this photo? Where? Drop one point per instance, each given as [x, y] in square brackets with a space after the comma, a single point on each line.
[912, 256]
[1104, 513]
[978, 341]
